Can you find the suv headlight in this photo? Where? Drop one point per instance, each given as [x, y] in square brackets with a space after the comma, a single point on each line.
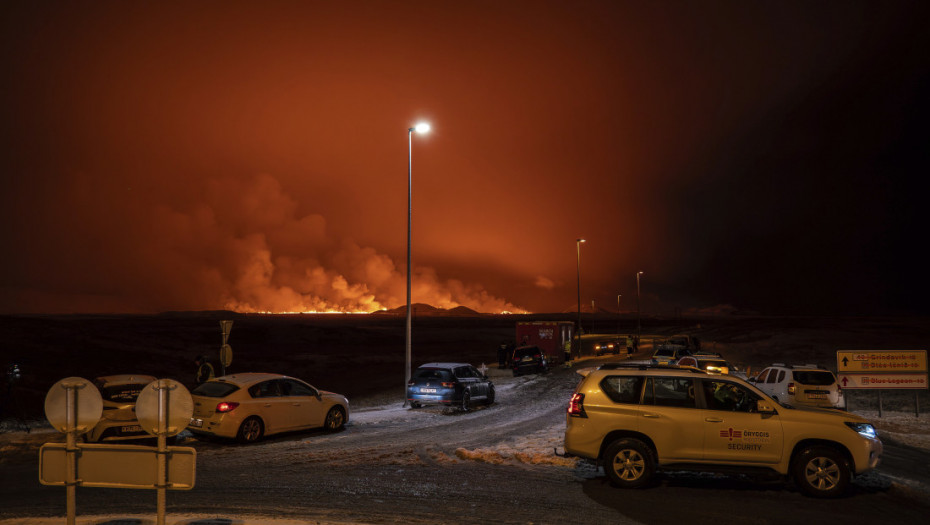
[864, 429]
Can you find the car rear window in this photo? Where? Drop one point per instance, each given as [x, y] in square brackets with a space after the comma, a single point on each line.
[520, 353]
[439, 374]
[665, 352]
[813, 377]
[121, 393]
[214, 389]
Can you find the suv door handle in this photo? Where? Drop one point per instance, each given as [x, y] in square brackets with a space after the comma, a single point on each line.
[713, 420]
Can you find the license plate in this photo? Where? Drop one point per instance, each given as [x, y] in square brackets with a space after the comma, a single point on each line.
[816, 396]
[130, 429]
[428, 390]
[527, 358]
[196, 423]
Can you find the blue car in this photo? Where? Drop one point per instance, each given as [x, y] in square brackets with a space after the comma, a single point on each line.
[452, 384]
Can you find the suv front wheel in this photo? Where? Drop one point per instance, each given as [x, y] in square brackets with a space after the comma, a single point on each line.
[629, 463]
[821, 472]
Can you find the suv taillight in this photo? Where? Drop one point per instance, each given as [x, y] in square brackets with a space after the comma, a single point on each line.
[226, 406]
[447, 385]
[791, 388]
[576, 406]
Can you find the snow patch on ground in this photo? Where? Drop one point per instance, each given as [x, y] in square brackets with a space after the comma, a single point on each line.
[538, 448]
[902, 427]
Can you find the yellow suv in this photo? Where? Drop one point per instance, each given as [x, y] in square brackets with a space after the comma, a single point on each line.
[635, 418]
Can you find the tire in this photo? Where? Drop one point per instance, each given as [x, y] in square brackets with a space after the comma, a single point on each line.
[490, 399]
[466, 401]
[629, 463]
[335, 419]
[251, 430]
[821, 472]
[414, 404]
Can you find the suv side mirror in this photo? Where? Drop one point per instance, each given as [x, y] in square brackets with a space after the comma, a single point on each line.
[765, 406]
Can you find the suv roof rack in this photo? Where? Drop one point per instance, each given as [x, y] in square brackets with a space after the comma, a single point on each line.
[648, 366]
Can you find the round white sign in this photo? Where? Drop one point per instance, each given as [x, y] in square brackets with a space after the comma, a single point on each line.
[87, 405]
[178, 405]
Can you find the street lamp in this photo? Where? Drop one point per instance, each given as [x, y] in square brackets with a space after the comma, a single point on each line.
[578, 248]
[419, 128]
[639, 328]
[619, 314]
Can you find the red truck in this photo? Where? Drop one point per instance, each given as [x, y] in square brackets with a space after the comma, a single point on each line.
[550, 336]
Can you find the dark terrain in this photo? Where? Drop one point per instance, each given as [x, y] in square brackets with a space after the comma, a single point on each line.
[361, 355]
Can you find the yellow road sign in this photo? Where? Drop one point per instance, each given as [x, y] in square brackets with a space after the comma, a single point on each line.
[882, 381]
[888, 361]
[118, 466]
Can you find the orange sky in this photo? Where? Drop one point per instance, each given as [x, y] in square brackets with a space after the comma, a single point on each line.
[254, 155]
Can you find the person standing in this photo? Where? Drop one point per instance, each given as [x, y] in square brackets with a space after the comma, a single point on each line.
[204, 370]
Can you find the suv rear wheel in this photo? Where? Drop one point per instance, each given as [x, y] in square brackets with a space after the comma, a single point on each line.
[629, 463]
[821, 472]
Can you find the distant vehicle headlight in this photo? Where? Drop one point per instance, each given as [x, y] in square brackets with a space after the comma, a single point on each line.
[864, 429]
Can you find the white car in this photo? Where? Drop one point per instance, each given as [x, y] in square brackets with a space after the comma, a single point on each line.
[800, 385]
[249, 406]
[118, 422]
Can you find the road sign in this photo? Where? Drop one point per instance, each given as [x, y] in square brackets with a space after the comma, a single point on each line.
[883, 381]
[226, 355]
[177, 404]
[118, 466]
[74, 402]
[895, 361]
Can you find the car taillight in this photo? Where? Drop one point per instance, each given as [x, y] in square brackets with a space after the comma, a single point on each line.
[447, 385]
[791, 388]
[536, 356]
[226, 406]
[576, 406]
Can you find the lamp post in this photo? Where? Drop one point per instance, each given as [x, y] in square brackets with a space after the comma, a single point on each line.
[619, 314]
[639, 328]
[419, 128]
[578, 248]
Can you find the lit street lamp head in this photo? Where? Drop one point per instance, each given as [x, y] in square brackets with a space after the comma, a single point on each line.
[422, 127]
[580, 240]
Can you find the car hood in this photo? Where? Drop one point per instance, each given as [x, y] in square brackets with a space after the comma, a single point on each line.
[809, 413]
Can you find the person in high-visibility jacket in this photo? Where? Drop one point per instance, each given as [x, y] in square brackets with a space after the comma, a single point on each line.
[204, 370]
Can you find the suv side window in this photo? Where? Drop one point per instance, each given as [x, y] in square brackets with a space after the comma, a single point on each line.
[773, 376]
[669, 392]
[762, 375]
[723, 395]
[623, 389]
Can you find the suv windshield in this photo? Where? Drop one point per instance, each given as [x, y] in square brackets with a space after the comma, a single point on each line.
[813, 377]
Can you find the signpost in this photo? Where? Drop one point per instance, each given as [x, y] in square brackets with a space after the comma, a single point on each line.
[225, 350]
[73, 405]
[883, 370]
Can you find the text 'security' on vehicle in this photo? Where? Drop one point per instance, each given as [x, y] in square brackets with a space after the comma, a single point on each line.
[634, 420]
[455, 384]
[249, 406]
